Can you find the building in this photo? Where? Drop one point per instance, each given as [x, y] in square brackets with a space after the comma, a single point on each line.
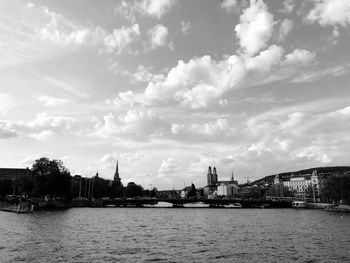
[219, 188]
[303, 184]
[13, 173]
[116, 178]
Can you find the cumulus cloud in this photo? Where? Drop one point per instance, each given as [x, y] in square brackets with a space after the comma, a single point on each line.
[330, 12]
[51, 101]
[157, 8]
[169, 168]
[62, 31]
[138, 124]
[43, 120]
[159, 37]
[299, 57]
[121, 38]
[255, 28]
[202, 81]
[43, 135]
[110, 159]
[211, 128]
[42, 127]
[229, 4]
[154, 8]
[304, 133]
[128, 10]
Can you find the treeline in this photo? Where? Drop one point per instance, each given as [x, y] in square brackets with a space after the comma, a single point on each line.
[337, 187]
[50, 178]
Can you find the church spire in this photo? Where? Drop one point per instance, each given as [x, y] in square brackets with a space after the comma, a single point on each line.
[116, 174]
[232, 177]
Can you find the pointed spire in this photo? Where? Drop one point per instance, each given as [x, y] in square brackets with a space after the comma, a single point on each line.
[116, 174]
[232, 177]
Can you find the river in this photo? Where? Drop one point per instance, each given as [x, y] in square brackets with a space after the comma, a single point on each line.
[175, 235]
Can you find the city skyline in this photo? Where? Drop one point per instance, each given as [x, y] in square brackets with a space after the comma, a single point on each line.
[172, 87]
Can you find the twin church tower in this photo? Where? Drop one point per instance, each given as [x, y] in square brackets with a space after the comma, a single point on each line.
[212, 177]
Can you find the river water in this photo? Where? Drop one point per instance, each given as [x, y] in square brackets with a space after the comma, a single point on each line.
[175, 235]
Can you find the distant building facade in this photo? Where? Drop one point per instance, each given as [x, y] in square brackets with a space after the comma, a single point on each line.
[302, 183]
[219, 188]
[13, 173]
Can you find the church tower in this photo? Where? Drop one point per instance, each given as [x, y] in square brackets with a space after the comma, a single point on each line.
[215, 177]
[116, 174]
[232, 177]
[209, 176]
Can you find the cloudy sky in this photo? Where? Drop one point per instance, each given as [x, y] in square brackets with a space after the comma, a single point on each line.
[172, 87]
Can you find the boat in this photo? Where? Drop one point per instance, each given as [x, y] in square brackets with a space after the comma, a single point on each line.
[338, 208]
[235, 205]
[22, 207]
[299, 204]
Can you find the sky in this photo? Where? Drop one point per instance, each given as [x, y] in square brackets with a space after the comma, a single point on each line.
[171, 87]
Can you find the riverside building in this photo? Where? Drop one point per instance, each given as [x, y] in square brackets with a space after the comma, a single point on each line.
[302, 183]
[219, 188]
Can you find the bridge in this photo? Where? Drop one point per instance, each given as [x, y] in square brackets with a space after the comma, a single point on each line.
[179, 202]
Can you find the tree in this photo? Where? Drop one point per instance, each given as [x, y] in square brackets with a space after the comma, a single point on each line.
[192, 192]
[133, 190]
[337, 187]
[50, 177]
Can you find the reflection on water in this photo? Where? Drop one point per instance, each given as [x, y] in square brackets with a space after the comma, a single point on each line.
[175, 235]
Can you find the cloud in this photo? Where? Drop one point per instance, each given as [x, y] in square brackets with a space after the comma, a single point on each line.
[43, 135]
[229, 5]
[306, 132]
[110, 159]
[63, 32]
[186, 27]
[6, 132]
[211, 128]
[51, 101]
[330, 12]
[128, 10]
[159, 37]
[288, 6]
[169, 168]
[285, 28]
[41, 128]
[137, 124]
[255, 28]
[142, 74]
[154, 8]
[202, 82]
[121, 38]
[157, 8]
[44, 121]
[299, 57]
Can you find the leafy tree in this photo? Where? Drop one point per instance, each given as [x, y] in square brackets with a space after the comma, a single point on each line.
[192, 192]
[50, 177]
[337, 187]
[133, 190]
